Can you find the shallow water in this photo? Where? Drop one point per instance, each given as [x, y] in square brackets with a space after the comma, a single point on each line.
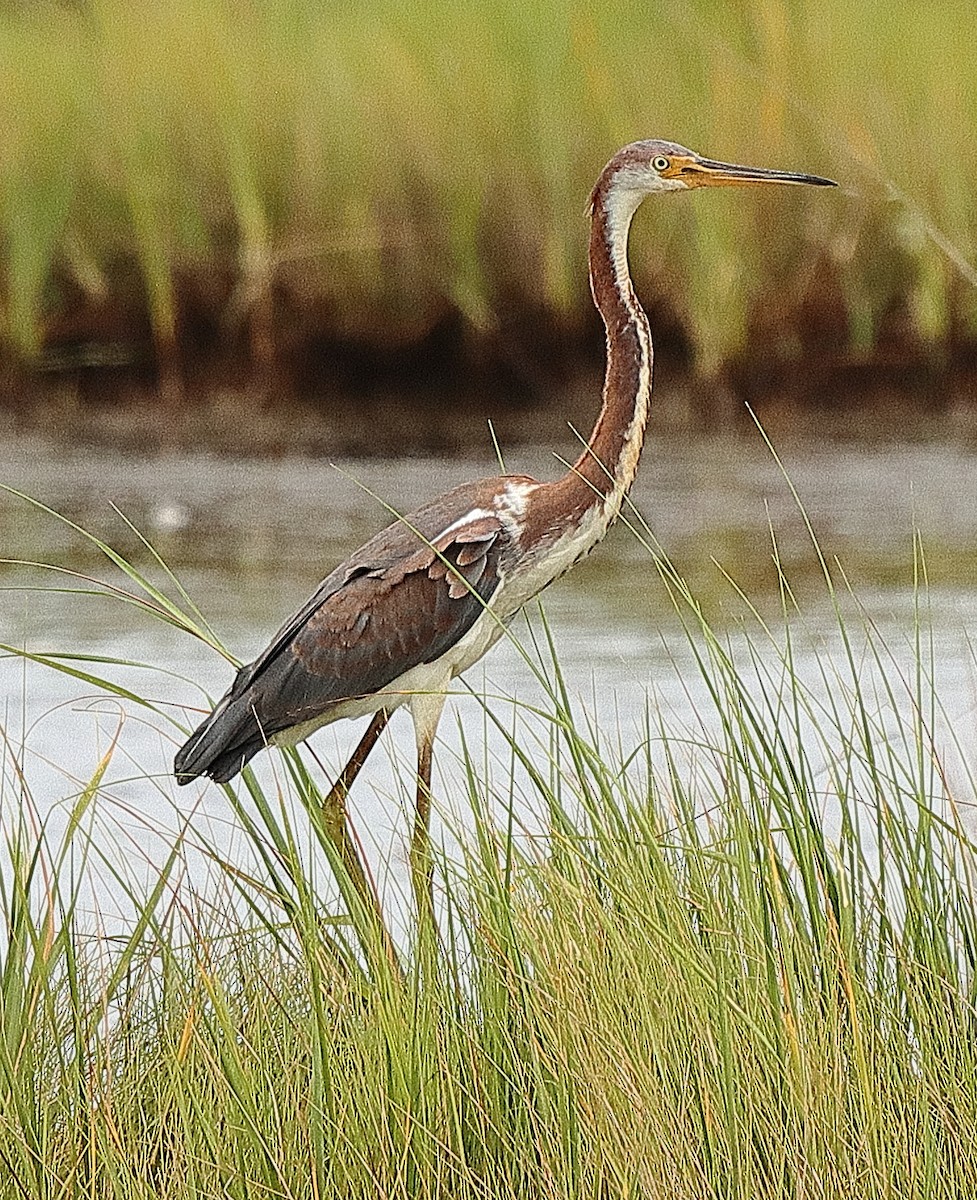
[250, 539]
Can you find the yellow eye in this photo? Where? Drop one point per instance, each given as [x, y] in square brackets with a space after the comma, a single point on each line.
[660, 163]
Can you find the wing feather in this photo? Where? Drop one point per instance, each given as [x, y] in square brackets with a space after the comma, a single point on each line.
[370, 621]
[404, 598]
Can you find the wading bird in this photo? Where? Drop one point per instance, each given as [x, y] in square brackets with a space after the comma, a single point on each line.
[430, 594]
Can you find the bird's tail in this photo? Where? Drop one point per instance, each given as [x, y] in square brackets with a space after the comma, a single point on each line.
[221, 745]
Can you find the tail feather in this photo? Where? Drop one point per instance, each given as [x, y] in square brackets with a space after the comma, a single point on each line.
[220, 747]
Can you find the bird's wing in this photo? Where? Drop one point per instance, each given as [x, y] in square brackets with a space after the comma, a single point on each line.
[398, 602]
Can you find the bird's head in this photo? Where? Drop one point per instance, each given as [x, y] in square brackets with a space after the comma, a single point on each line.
[645, 168]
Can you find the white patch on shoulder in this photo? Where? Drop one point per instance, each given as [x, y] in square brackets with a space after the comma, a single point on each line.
[512, 505]
[476, 514]
[517, 495]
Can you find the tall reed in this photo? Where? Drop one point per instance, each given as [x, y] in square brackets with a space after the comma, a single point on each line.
[290, 171]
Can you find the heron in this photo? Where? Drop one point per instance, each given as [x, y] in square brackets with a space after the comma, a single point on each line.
[429, 595]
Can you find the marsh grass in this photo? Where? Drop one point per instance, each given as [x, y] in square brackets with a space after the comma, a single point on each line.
[277, 172]
[727, 955]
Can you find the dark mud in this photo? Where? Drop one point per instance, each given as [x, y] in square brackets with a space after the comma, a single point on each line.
[286, 384]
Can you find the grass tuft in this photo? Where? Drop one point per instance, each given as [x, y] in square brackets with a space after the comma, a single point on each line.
[729, 953]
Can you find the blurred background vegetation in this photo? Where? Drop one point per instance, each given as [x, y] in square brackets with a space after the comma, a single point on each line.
[292, 196]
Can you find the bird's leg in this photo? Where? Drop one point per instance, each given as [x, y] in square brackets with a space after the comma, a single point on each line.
[421, 865]
[426, 711]
[334, 818]
[334, 805]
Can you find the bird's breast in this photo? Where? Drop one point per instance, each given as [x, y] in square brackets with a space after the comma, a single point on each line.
[544, 557]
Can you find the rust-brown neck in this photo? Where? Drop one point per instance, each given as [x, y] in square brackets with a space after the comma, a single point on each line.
[589, 496]
[606, 468]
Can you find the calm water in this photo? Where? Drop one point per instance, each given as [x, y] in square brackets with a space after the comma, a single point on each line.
[250, 539]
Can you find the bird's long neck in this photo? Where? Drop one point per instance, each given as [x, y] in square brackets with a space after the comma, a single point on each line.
[579, 507]
[607, 467]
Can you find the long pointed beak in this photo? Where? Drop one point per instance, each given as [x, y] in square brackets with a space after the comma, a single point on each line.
[705, 172]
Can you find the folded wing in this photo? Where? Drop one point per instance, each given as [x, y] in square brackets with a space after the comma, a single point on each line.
[400, 601]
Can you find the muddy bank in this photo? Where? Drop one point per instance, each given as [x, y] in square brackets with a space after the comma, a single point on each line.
[298, 389]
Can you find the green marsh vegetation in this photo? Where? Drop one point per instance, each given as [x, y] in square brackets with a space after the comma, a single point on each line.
[731, 956]
[193, 182]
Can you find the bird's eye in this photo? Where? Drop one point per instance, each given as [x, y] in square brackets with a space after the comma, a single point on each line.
[660, 163]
